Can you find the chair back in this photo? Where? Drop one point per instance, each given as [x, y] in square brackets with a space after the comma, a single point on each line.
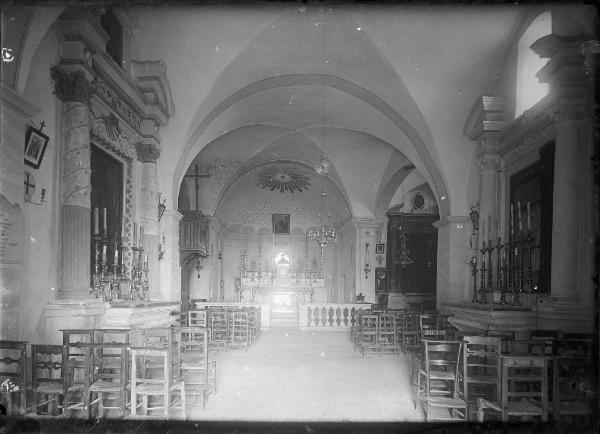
[524, 386]
[165, 338]
[46, 364]
[429, 327]
[197, 318]
[13, 373]
[482, 364]
[442, 355]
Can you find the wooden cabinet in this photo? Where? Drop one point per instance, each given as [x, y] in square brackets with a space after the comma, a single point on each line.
[421, 243]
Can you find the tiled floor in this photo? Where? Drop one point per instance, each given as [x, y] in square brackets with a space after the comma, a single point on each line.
[302, 376]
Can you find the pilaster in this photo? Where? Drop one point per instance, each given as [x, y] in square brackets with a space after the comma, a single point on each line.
[365, 256]
[169, 269]
[452, 250]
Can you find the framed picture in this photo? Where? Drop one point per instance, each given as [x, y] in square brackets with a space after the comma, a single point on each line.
[35, 146]
[281, 223]
[380, 248]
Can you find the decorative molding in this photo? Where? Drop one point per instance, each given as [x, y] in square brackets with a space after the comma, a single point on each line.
[115, 101]
[147, 152]
[120, 144]
[449, 220]
[71, 86]
[589, 49]
[485, 116]
[283, 178]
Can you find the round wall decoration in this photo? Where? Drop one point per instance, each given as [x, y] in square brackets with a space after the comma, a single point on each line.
[418, 201]
[284, 179]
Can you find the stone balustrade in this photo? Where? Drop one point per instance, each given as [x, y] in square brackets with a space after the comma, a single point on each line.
[329, 316]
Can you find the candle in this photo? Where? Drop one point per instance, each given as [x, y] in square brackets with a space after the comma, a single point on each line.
[483, 230]
[141, 235]
[528, 216]
[116, 253]
[122, 227]
[145, 258]
[96, 230]
[103, 258]
[489, 227]
[104, 220]
[512, 222]
[134, 233]
[519, 215]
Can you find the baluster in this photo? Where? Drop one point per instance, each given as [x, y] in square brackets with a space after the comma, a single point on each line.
[352, 317]
[331, 317]
[345, 316]
[324, 316]
[316, 316]
[338, 316]
[308, 310]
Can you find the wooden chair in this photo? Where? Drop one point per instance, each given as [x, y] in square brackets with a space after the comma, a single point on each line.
[386, 334]
[147, 382]
[197, 371]
[429, 327]
[410, 334]
[253, 324]
[481, 370]
[438, 385]
[574, 383]
[197, 318]
[369, 333]
[108, 365]
[524, 389]
[218, 339]
[47, 379]
[13, 375]
[76, 375]
[238, 334]
[166, 338]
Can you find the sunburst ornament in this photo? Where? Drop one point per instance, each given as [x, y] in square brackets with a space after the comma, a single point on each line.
[283, 179]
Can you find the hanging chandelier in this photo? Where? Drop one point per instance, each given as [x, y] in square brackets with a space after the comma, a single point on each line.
[403, 257]
[325, 234]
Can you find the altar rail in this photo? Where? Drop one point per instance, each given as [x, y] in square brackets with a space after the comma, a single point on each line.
[329, 316]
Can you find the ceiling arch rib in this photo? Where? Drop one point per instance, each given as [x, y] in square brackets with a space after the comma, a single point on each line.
[422, 156]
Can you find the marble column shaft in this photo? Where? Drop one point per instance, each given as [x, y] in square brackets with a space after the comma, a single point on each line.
[76, 202]
[149, 219]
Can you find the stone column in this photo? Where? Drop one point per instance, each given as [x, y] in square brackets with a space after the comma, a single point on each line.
[452, 269]
[74, 90]
[169, 282]
[147, 155]
[488, 197]
[572, 92]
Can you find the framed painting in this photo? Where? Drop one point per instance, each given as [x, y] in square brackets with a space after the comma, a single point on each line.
[380, 249]
[281, 223]
[35, 146]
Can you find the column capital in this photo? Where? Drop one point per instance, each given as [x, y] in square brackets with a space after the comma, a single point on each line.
[147, 152]
[71, 86]
[366, 223]
[489, 162]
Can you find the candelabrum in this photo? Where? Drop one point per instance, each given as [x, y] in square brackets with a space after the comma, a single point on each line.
[107, 277]
[139, 286]
[506, 270]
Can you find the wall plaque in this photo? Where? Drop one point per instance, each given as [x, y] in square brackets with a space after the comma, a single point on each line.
[11, 232]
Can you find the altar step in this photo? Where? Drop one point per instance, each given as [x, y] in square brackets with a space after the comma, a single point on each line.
[284, 319]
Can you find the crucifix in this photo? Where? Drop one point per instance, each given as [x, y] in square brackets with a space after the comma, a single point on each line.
[197, 176]
[29, 184]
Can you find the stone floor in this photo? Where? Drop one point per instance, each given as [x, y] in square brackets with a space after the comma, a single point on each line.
[291, 375]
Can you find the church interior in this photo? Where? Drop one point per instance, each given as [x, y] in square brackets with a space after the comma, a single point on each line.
[299, 212]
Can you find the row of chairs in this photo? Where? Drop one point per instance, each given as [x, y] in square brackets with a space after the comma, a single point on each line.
[472, 377]
[229, 327]
[97, 373]
[395, 331]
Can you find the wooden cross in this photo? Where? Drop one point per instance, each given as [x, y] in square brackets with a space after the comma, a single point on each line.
[197, 176]
[42, 125]
[27, 184]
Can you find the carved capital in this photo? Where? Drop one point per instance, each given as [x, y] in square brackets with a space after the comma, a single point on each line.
[71, 86]
[147, 152]
[489, 162]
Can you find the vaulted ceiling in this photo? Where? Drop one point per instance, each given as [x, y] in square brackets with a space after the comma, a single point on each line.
[385, 88]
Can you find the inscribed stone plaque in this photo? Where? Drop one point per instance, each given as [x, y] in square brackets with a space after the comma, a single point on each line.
[11, 232]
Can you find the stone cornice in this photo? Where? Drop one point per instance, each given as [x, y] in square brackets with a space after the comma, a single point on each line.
[485, 116]
[449, 220]
[366, 222]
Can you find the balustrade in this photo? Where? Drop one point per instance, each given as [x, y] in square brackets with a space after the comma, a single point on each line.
[329, 316]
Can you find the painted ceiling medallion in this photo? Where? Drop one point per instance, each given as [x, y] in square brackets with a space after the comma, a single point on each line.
[283, 179]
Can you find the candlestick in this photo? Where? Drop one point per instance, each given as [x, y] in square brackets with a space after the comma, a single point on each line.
[104, 258]
[528, 216]
[104, 220]
[96, 220]
[519, 215]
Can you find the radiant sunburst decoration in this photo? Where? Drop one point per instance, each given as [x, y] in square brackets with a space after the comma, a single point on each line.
[283, 179]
